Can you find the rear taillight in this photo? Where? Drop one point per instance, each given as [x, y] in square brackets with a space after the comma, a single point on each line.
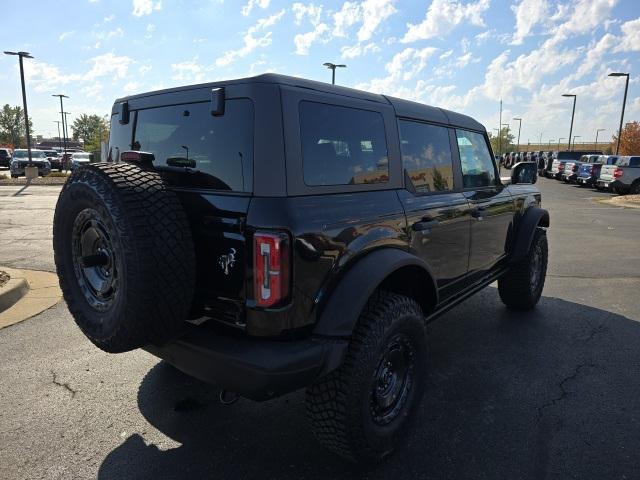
[270, 268]
[575, 168]
[561, 167]
[618, 172]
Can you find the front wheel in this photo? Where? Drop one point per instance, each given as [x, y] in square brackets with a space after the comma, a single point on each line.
[361, 410]
[521, 287]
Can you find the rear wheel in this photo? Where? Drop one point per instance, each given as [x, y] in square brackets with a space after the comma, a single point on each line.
[521, 287]
[635, 188]
[124, 256]
[361, 410]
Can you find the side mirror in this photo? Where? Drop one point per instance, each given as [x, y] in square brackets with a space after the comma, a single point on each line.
[524, 173]
[217, 102]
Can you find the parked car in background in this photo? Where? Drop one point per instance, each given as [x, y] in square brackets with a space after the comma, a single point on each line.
[21, 160]
[55, 159]
[596, 171]
[558, 164]
[589, 171]
[78, 159]
[571, 167]
[626, 175]
[5, 157]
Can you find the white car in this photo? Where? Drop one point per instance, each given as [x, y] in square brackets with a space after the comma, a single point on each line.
[78, 159]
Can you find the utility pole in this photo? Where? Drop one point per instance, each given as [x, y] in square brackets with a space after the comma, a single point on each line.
[64, 130]
[597, 132]
[332, 67]
[624, 102]
[573, 112]
[22, 55]
[519, 128]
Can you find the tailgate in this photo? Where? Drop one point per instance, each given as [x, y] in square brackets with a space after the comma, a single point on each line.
[606, 173]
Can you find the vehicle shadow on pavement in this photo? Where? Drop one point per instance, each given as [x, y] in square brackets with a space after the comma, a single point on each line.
[544, 394]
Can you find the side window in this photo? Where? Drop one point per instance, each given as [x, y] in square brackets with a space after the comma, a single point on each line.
[634, 162]
[478, 168]
[197, 149]
[119, 138]
[426, 156]
[342, 146]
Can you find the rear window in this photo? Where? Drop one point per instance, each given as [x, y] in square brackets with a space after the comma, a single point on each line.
[342, 146]
[629, 162]
[195, 149]
[426, 156]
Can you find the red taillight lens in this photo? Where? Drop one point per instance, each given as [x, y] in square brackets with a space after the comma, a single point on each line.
[270, 268]
[618, 172]
[575, 168]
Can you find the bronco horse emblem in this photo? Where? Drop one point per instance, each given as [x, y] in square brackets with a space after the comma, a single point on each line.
[227, 261]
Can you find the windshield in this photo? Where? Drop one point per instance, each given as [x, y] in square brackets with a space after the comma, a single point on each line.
[25, 154]
[81, 156]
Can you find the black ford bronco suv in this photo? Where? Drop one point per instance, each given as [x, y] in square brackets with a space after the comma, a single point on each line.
[272, 233]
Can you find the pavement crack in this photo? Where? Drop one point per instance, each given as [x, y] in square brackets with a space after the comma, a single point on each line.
[563, 391]
[64, 385]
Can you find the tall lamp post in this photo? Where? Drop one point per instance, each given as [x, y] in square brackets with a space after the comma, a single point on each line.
[22, 55]
[597, 132]
[549, 143]
[624, 102]
[332, 67]
[560, 141]
[574, 141]
[64, 130]
[573, 113]
[519, 128]
[59, 138]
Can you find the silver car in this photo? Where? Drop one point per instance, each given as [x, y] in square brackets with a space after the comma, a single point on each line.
[78, 159]
[21, 159]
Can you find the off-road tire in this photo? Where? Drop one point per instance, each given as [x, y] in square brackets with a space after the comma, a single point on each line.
[153, 255]
[517, 288]
[340, 406]
[635, 188]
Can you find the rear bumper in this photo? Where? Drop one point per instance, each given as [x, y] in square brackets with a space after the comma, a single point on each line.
[585, 180]
[254, 368]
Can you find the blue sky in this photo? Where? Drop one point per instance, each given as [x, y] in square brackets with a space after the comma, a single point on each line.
[460, 54]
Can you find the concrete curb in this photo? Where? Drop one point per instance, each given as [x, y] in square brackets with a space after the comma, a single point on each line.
[14, 289]
[43, 293]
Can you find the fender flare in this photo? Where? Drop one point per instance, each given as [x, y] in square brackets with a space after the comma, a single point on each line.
[350, 295]
[532, 218]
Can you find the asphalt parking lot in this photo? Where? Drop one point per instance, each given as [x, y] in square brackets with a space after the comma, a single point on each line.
[548, 394]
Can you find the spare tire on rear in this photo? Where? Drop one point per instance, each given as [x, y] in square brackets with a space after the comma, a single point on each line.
[124, 256]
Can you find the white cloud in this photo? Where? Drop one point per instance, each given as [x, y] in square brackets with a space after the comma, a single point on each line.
[310, 11]
[464, 60]
[303, 41]
[443, 16]
[374, 12]
[132, 87]
[404, 66]
[251, 42]
[630, 41]
[359, 49]
[528, 13]
[150, 29]
[190, 71]
[109, 18]
[349, 15]
[583, 17]
[369, 13]
[64, 35]
[246, 10]
[108, 64]
[145, 7]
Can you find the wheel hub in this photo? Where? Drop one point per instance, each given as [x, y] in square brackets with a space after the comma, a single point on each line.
[393, 380]
[94, 259]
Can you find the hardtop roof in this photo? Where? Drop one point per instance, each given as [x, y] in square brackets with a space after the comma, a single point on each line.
[403, 108]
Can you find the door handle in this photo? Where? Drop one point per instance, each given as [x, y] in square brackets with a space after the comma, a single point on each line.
[425, 224]
[478, 212]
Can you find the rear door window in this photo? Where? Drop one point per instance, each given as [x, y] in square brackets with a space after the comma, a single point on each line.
[195, 149]
[342, 146]
[478, 168]
[426, 156]
[119, 138]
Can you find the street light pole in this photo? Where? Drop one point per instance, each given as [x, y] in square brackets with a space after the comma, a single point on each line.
[519, 128]
[500, 130]
[549, 143]
[559, 141]
[624, 102]
[332, 67]
[59, 138]
[22, 55]
[597, 132]
[64, 130]
[573, 113]
[574, 141]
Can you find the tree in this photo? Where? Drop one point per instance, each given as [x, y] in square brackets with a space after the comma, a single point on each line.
[12, 126]
[92, 129]
[502, 143]
[630, 141]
